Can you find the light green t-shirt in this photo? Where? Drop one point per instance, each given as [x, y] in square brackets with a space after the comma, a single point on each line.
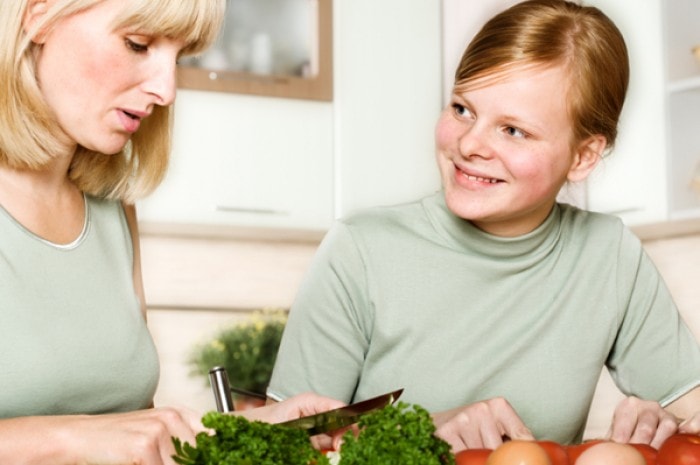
[72, 335]
[413, 297]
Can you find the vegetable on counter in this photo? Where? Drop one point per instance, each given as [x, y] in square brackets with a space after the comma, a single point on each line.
[238, 441]
[405, 434]
[398, 434]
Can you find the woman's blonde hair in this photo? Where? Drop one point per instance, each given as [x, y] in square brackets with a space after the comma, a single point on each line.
[29, 133]
[558, 32]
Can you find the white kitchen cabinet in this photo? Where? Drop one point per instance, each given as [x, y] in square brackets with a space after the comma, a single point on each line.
[388, 86]
[247, 161]
[631, 181]
[681, 19]
[252, 161]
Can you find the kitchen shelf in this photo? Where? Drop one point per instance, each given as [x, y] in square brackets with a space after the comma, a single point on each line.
[276, 48]
[691, 84]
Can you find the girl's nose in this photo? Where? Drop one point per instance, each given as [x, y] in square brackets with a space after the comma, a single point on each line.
[474, 142]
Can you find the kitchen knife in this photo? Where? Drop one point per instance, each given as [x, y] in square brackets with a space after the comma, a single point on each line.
[343, 416]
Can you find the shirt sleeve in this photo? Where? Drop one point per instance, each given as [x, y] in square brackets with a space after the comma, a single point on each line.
[655, 355]
[327, 333]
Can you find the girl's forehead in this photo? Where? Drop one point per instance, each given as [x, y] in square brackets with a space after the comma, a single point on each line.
[507, 73]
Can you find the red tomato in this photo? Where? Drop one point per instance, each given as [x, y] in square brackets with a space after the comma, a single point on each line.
[680, 449]
[574, 450]
[555, 451]
[472, 457]
[647, 451]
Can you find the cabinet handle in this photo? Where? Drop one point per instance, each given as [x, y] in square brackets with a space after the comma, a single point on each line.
[263, 211]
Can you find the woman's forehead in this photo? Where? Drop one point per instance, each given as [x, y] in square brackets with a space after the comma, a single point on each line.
[195, 22]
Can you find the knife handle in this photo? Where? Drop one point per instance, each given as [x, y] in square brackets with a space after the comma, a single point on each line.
[222, 390]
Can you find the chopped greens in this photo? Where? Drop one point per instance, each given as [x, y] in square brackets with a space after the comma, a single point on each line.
[238, 441]
[397, 434]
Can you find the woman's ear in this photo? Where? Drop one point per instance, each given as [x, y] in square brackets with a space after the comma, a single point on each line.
[36, 9]
[586, 158]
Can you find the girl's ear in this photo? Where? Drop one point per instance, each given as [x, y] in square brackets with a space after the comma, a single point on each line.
[36, 9]
[586, 158]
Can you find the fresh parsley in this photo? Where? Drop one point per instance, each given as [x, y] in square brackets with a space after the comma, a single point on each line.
[399, 434]
[238, 441]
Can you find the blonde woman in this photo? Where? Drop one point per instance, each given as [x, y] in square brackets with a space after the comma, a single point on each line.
[85, 94]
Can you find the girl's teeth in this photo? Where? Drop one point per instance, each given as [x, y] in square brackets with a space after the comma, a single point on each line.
[476, 178]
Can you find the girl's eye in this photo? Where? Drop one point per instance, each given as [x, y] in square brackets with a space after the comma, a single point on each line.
[515, 132]
[460, 110]
[136, 46]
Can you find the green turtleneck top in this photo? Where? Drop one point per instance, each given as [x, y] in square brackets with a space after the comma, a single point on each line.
[414, 297]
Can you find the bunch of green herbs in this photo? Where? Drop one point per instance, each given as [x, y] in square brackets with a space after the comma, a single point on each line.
[238, 441]
[399, 434]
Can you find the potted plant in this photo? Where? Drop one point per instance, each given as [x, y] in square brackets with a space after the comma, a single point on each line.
[247, 350]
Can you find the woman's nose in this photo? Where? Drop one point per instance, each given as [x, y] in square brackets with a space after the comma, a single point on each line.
[161, 82]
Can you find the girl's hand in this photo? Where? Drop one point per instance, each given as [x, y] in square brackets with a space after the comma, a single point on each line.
[642, 422]
[298, 406]
[690, 425]
[480, 425]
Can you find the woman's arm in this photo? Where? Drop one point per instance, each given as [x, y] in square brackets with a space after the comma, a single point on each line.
[130, 211]
[143, 437]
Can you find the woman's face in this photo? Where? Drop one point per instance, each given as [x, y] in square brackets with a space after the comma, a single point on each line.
[100, 82]
[504, 150]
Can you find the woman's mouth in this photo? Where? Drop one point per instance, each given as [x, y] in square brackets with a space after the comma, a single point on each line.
[130, 121]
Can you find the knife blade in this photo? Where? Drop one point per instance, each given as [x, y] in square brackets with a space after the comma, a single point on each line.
[343, 416]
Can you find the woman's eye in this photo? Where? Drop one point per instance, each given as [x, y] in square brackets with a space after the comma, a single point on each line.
[136, 46]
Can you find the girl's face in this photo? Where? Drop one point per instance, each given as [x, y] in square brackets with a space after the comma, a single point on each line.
[505, 149]
[101, 82]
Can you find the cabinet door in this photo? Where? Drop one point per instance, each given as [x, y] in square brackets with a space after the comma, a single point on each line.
[387, 98]
[682, 48]
[247, 161]
[631, 181]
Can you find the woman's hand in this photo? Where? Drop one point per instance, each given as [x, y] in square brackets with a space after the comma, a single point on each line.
[642, 422]
[480, 425]
[142, 437]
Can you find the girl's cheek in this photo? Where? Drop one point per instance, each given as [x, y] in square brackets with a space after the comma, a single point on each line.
[444, 133]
